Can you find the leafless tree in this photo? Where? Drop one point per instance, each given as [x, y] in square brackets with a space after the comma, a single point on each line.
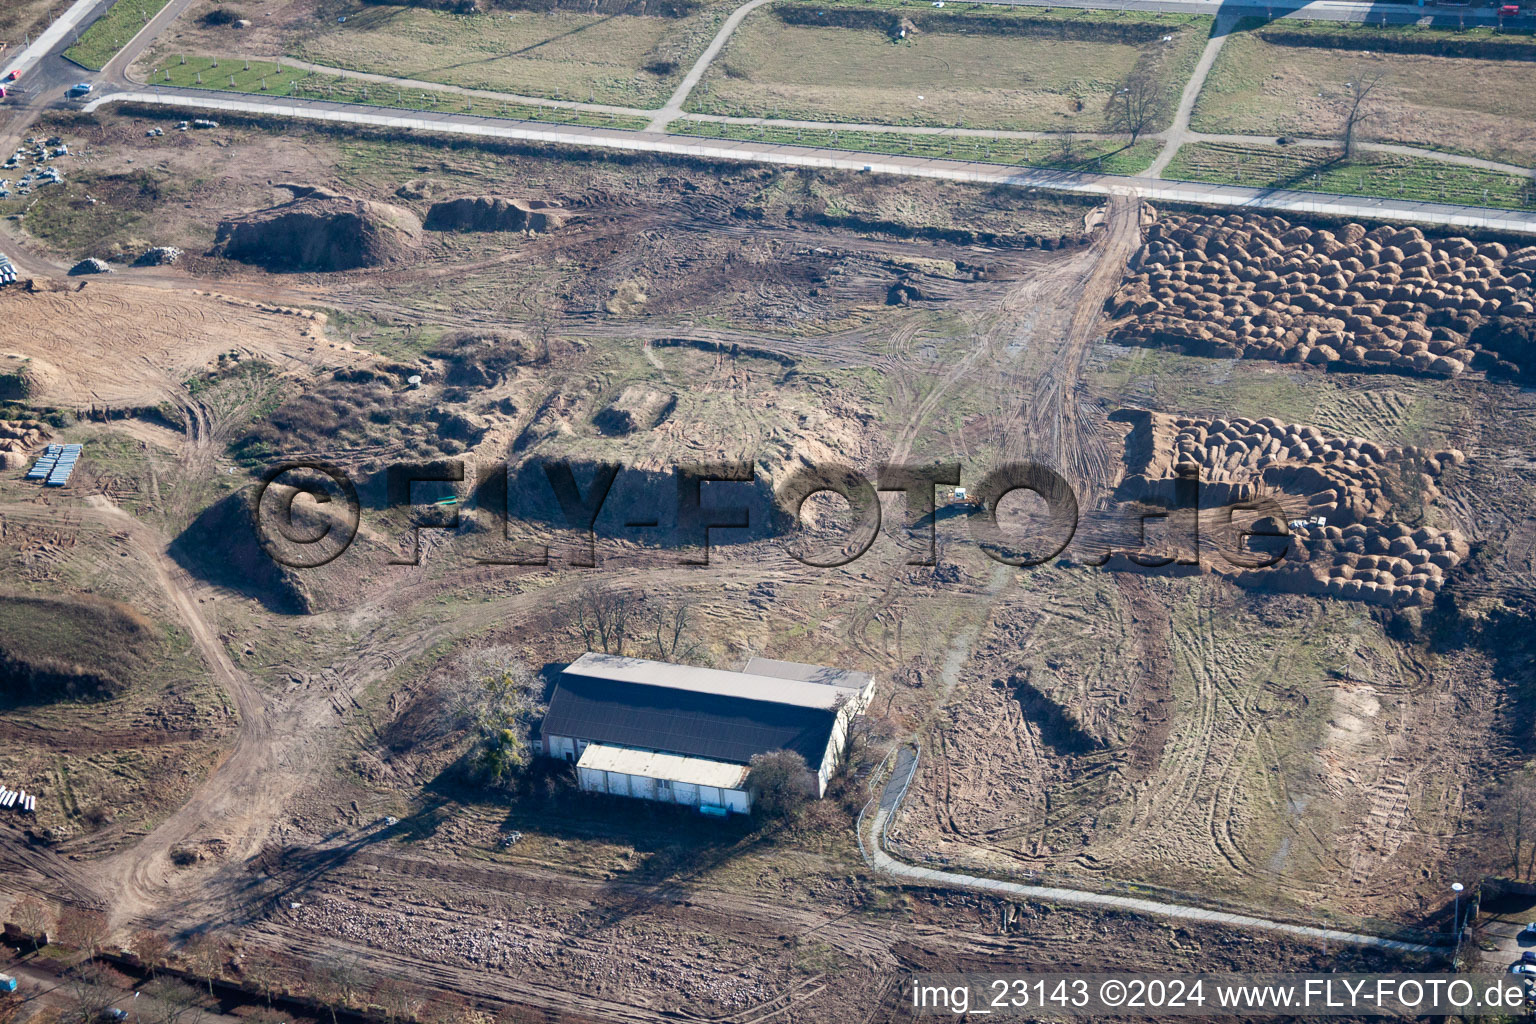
[33, 917]
[87, 995]
[1358, 92]
[1137, 105]
[400, 1000]
[602, 618]
[1513, 814]
[260, 968]
[1066, 148]
[205, 956]
[170, 1001]
[152, 949]
[336, 981]
[674, 640]
[83, 929]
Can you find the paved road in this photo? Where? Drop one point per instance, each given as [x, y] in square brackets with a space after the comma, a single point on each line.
[674, 106]
[1280, 200]
[890, 800]
[1178, 132]
[1318, 10]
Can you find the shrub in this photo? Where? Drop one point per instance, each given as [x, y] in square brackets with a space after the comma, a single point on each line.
[779, 782]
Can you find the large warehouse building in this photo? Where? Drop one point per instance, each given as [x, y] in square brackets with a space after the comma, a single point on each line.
[685, 735]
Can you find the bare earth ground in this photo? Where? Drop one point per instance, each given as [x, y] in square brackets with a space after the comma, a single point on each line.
[1273, 750]
[122, 345]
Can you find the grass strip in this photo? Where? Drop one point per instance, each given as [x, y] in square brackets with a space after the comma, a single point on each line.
[111, 32]
[1108, 156]
[1380, 175]
[267, 78]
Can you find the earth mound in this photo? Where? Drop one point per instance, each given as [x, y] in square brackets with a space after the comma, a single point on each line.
[483, 358]
[320, 230]
[637, 408]
[76, 648]
[494, 213]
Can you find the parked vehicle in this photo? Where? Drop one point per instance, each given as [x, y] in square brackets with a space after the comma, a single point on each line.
[1509, 11]
[7, 983]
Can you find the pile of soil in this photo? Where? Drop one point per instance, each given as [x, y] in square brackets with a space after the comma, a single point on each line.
[495, 213]
[1384, 299]
[483, 358]
[1351, 484]
[77, 648]
[21, 436]
[320, 230]
[637, 408]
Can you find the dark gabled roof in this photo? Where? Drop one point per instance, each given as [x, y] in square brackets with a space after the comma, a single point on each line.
[684, 722]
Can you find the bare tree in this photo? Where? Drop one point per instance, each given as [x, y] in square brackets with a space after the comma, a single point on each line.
[1066, 148]
[399, 1000]
[87, 994]
[152, 949]
[83, 929]
[171, 1001]
[336, 980]
[33, 917]
[674, 640]
[1513, 814]
[205, 956]
[259, 967]
[1358, 92]
[1137, 105]
[602, 618]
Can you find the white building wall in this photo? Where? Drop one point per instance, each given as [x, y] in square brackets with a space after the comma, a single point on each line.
[662, 790]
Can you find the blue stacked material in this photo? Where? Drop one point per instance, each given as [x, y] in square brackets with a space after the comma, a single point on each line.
[62, 469]
[46, 462]
[7, 271]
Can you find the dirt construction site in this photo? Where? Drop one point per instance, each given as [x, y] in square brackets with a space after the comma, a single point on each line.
[1281, 665]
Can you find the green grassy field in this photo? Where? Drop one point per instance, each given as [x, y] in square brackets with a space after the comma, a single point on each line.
[619, 59]
[1371, 174]
[112, 30]
[1480, 107]
[1109, 156]
[273, 79]
[980, 67]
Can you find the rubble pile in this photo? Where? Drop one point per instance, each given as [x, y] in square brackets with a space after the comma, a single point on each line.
[1384, 299]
